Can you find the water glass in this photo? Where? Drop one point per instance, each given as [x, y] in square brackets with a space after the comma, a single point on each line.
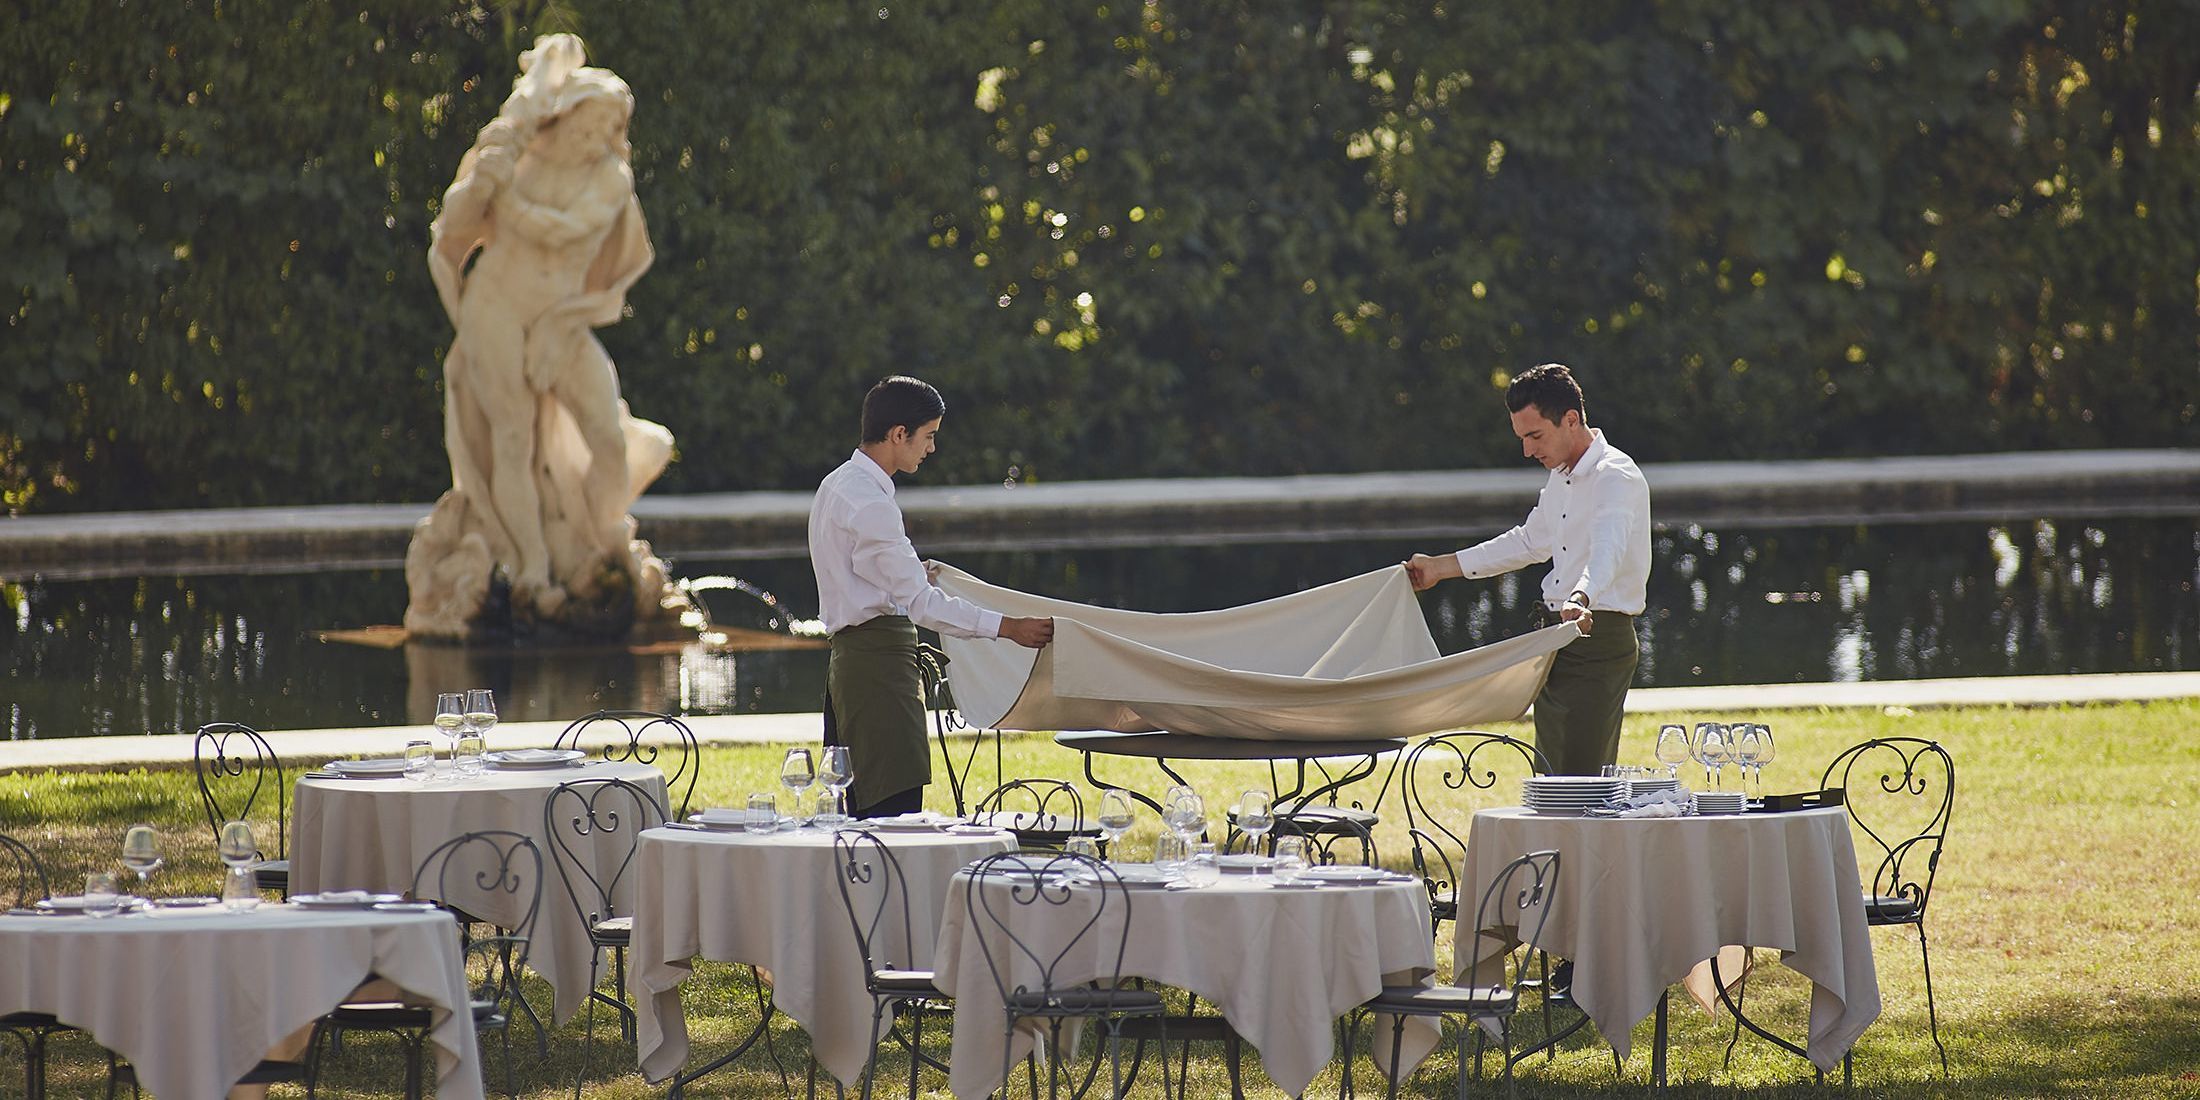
[420, 761]
[141, 854]
[1088, 847]
[100, 898]
[1202, 868]
[240, 891]
[1169, 853]
[763, 812]
[1292, 858]
[467, 753]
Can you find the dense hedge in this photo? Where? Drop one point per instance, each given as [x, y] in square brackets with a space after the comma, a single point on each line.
[1159, 239]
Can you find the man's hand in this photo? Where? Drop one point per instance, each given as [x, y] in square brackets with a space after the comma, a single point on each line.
[1577, 611]
[1424, 570]
[1030, 633]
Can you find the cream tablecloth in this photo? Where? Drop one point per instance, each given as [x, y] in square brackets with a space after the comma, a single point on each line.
[771, 900]
[1280, 965]
[1642, 904]
[372, 834]
[195, 997]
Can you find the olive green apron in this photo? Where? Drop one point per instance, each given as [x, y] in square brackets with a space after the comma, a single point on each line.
[875, 692]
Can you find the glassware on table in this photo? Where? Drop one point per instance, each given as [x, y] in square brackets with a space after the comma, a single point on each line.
[1117, 815]
[1712, 751]
[240, 891]
[481, 710]
[796, 772]
[1086, 846]
[1743, 748]
[450, 720]
[1202, 868]
[1765, 753]
[420, 761]
[468, 752]
[239, 850]
[1169, 853]
[1256, 814]
[1184, 812]
[100, 899]
[838, 770]
[141, 854]
[763, 812]
[1674, 748]
[1292, 858]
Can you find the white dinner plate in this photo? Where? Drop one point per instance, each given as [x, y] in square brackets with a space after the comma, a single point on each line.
[1349, 876]
[731, 818]
[385, 766]
[1244, 863]
[906, 825]
[73, 903]
[525, 759]
[1141, 876]
[185, 903]
[356, 899]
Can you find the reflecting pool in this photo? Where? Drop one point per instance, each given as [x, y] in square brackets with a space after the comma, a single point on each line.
[1729, 606]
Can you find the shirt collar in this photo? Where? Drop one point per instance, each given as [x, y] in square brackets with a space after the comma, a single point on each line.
[1589, 458]
[878, 473]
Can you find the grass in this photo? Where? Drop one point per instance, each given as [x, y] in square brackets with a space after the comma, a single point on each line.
[2062, 921]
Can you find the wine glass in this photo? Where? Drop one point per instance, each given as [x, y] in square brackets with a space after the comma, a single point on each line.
[796, 773]
[239, 849]
[839, 771]
[450, 719]
[141, 854]
[481, 710]
[1256, 814]
[1744, 750]
[1185, 812]
[1712, 751]
[1673, 748]
[1292, 858]
[1115, 814]
[1764, 753]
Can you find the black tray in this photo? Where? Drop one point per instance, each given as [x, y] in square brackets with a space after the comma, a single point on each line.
[1805, 800]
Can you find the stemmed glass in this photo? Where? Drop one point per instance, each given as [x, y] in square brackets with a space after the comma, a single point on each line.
[1184, 812]
[481, 710]
[1256, 815]
[1744, 749]
[1712, 751]
[1115, 815]
[839, 771]
[239, 849]
[141, 854]
[1764, 753]
[1673, 748]
[796, 773]
[450, 720]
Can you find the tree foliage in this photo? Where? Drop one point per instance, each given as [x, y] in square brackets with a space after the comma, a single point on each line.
[1125, 238]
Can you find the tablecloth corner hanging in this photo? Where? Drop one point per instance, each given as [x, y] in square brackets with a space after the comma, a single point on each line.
[1347, 660]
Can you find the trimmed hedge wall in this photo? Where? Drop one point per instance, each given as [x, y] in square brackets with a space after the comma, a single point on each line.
[1126, 239]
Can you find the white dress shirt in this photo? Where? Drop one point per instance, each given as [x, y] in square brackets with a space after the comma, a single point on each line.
[1592, 523]
[865, 565]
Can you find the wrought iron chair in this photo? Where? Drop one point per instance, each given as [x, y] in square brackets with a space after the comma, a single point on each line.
[467, 872]
[1437, 768]
[1519, 899]
[877, 900]
[939, 701]
[235, 767]
[25, 877]
[629, 727]
[1900, 792]
[592, 812]
[1012, 890]
[1329, 840]
[1043, 813]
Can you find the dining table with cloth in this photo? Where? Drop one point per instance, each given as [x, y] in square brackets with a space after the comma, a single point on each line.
[372, 834]
[772, 900]
[1643, 903]
[1281, 965]
[194, 998]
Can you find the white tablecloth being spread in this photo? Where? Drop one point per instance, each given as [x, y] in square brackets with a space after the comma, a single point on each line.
[1645, 903]
[1351, 660]
[194, 998]
[1280, 965]
[372, 834]
[771, 900]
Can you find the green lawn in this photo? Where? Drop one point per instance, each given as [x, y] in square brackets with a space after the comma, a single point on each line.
[2062, 922]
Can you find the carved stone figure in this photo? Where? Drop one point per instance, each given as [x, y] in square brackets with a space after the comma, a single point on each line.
[545, 457]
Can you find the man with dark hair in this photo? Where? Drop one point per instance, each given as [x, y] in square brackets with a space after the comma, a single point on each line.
[872, 593]
[1592, 523]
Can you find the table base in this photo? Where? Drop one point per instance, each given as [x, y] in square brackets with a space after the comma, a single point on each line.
[762, 1031]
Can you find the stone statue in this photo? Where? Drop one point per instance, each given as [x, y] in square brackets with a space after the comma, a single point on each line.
[545, 457]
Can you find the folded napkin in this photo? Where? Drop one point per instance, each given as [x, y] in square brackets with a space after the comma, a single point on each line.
[529, 756]
[1666, 803]
[361, 896]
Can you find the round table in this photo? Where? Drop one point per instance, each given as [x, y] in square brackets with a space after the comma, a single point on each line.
[773, 900]
[372, 834]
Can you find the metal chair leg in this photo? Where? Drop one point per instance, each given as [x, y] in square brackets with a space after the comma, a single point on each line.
[1931, 1014]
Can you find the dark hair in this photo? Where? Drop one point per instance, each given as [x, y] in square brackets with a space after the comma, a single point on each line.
[1551, 389]
[900, 401]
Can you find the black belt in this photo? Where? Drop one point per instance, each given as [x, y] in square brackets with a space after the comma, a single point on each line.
[1544, 616]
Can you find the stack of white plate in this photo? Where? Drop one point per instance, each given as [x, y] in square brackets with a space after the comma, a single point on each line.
[1649, 784]
[1718, 802]
[1568, 795]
